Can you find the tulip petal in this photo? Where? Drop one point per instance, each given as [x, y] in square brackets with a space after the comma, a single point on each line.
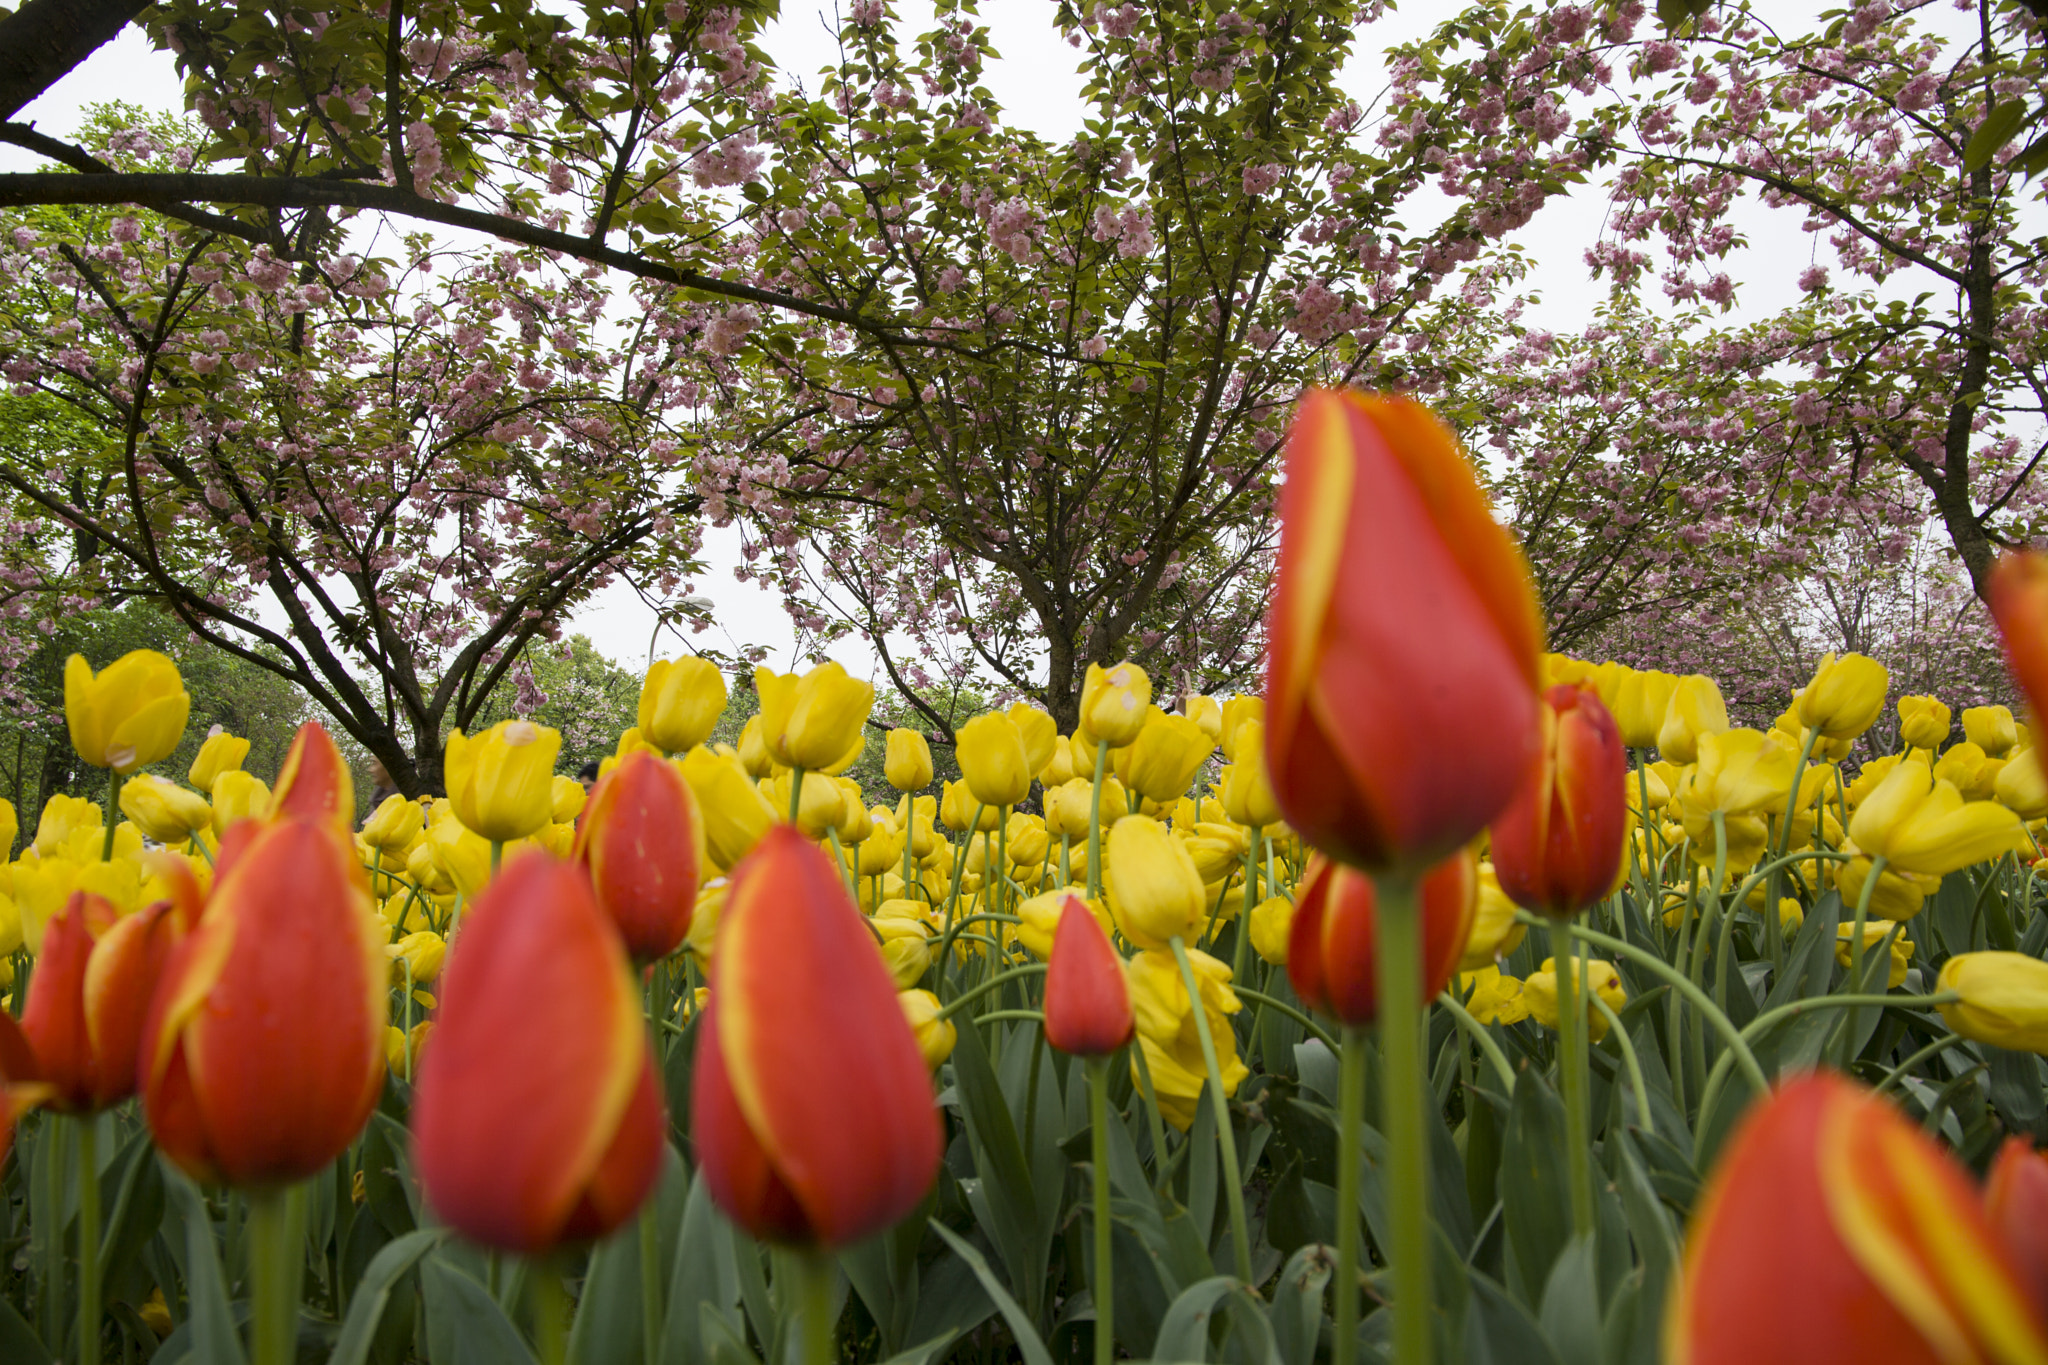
[314, 783]
[738, 1171]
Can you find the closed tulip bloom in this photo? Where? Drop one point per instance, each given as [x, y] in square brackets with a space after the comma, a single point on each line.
[263, 1051]
[1557, 847]
[935, 1036]
[820, 804]
[501, 783]
[957, 807]
[1206, 712]
[2004, 999]
[1495, 930]
[1642, 698]
[539, 1118]
[2021, 787]
[1832, 1229]
[394, 825]
[680, 701]
[1973, 772]
[1875, 934]
[1332, 945]
[1924, 826]
[162, 810]
[992, 761]
[1059, 768]
[907, 763]
[1162, 761]
[86, 1001]
[1743, 772]
[1991, 728]
[1247, 792]
[1271, 924]
[2018, 596]
[568, 798]
[754, 758]
[812, 721]
[1695, 709]
[643, 845]
[2016, 1206]
[1845, 696]
[10, 826]
[1038, 731]
[462, 855]
[1236, 712]
[1087, 998]
[1169, 1037]
[1402, 622]
[239, 796]
[1923, 722]
[221, 753]
[1154, 890]
[128, 716]
[423, 952]
[313, 783]
[735, 813]
[811, 1102]
[1114, 703]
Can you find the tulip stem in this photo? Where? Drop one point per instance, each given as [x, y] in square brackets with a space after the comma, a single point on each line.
[1774, 933]
[113, 814]
[1226, 1139]
[1853, 1018]
[1095, 822]
[973, 993]
[550, 1311]
[1571, 1034]
[497, 855]
[1098, 1156]
[1617, 1031]
[1350, 1131]
[1495, 1058]
[276, 1258]
[796, 787]
[1156, 1125]
[1248, 899]
[88, 1240]
[51, 1229]
[1308, 1023]
[814, 1291]
[1401, 1013]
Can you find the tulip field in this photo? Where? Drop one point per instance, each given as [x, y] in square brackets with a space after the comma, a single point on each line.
[1450, 1001]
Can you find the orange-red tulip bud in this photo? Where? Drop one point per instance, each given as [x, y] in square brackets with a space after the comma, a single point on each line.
[1331, 958]
[539, 1119]
[1401, 681]
[20, 1090]
[263, 1049]
[1087, 998]
[811, 1105]
[2016, 1202]
[2018, 595]
[314, 783]
[1557, 847]
[93, 982]
[1833, 1229]
[643, 844]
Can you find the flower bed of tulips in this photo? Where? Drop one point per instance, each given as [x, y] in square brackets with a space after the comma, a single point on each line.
[1453, 1001]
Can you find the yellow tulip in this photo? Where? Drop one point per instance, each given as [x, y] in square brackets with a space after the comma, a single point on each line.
[1247, 793]
[1845, 696]
[754, 758]
[680, 703]
[1155, 893]
[426, 870]
[462, 855]
[63, 816]
[905, 943]
[393, 826]
[1495, 930]
[935, 1036]
[163, 810]
[1218, 851]
[1695, 709]
[735, 813]
[1642, 697]
[1922, 825]
[822, 802]
[239, 796]
[222, 752]
[957, 809]
[1874, 933]
[1742, 772]
[1059, 768]
[1271, 921]
[1236, 712]
[1114, 702]
[2004, 999]
[1991, 729]
[1923, 722]
[1492, 997]
[1167, 1033]
[907, 763]
[1066, 808]
[1539, 992]
[1164, 758]
[9, 828]
[1039, 733]
[1029, 843]
[1898, 894]
[1206, 712]
[703, 935]
[812, 721]
[565, 799]
[501, 783]
[990, 750]
[425, 951]
[1973, 772]
[2021, 787]
[882, 851]
[129, 716]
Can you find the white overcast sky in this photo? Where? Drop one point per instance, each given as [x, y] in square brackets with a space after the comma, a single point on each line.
[1037, 83]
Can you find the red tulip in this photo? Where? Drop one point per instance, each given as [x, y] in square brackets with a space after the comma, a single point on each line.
[1834, 1230]
[2018, 596]
[1401, 682]
[1331, 955]
[811, 1105]
[263, 1048]
[539, 1118]
[20, 1090]
[92, 984]
[1087, 998]
[1557, 847]
[314, 783]
[643, 843]
[2016, 1202]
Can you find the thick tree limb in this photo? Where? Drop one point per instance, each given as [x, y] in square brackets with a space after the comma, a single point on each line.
[44, 39]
